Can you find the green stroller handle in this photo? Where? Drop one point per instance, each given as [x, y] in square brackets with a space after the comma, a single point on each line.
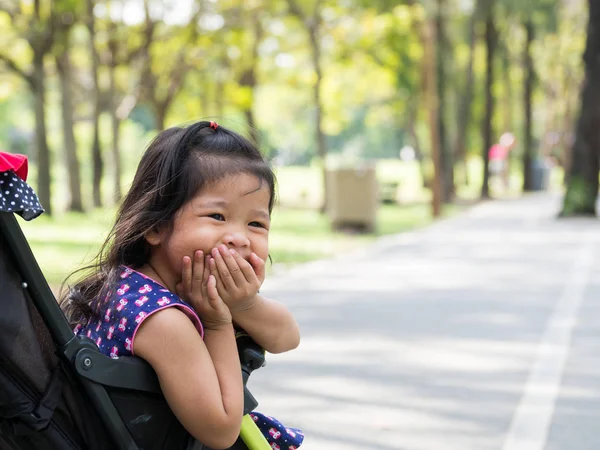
[252, 436]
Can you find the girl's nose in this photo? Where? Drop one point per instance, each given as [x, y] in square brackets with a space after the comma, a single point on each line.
[236, 239]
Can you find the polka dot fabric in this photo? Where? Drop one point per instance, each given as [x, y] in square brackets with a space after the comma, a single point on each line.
[18, 197]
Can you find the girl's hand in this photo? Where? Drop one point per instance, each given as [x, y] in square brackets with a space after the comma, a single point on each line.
[237, 280]
[199, 288]
[258, 265]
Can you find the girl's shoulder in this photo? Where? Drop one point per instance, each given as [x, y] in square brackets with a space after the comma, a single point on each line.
[130, 301]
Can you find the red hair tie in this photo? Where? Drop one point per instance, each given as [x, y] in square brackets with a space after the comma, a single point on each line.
[214, 125]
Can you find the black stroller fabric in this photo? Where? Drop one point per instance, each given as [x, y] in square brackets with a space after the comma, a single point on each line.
[39, 403]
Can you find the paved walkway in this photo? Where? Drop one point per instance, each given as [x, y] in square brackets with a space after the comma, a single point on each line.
[480, 332]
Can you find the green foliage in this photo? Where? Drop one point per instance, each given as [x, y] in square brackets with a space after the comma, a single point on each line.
[543, 13]
[195, 63]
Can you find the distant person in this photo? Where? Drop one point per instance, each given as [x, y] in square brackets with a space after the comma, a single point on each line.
[183, 265]
[498, 158]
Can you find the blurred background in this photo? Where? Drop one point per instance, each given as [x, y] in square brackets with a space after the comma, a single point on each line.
[424, 152]
[414, 97]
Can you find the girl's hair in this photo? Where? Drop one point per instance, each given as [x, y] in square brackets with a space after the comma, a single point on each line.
[175, 166]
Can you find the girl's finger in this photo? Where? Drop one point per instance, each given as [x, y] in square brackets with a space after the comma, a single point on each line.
[225, 275]
[258, 265]
[213, 294]
[244, 266]
[205, 275]
[186, 275]
[217, 276]
[198, 272]
[233, 265]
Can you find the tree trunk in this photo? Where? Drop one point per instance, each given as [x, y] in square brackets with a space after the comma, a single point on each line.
[419, 94]
[116, 153]
[582, 191]
[313, 25]
[160, 110]
[63, 65]
[115, 126]
[445, 153]
[97, 163]
[507, 105]
[490, 44]
[252, 131]
[43, 152]
[527, 104]
[112, 94]
[319, 135]
[413, 107]
[464, 110]
[249, 80]
[565, 141]
[219, 98]
[432, 106]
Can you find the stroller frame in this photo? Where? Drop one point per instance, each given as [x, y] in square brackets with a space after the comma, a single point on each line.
[95, 371]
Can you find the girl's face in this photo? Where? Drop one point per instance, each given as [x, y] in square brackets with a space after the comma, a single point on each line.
[233, 211]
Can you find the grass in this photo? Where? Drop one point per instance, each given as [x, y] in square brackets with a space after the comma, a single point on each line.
[304, 235]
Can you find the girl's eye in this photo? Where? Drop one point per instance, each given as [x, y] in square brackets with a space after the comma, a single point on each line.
[257, 224]
[217, 216]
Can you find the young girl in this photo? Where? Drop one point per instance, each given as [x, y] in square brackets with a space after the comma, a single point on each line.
[183, 264]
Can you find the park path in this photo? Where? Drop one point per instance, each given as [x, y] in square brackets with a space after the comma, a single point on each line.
[479, 332]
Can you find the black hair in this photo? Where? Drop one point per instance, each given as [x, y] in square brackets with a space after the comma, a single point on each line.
[177, 164]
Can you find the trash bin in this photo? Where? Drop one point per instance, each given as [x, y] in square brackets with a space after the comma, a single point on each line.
[352, 198]
[540, 174]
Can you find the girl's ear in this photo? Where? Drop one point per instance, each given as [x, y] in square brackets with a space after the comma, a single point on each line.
[154, 237]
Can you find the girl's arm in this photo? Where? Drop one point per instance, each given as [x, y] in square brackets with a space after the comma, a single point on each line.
[201, 380]
[269, 323]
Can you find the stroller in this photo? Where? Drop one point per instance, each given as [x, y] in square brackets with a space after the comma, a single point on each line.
[57, 391]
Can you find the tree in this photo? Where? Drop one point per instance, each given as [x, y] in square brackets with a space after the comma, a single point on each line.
[114, 42]
[443, 49]
[97, 163]
[433, 105]
[36, 26]
[396, 52]
[535, 21]
[312, 24]
[491, 41]
[66, 13]
[527, 106]
[165, 58]
[242, 35]
[464, 108]
[161, 69]
[248, 80]
[582, 189]
[535, 18]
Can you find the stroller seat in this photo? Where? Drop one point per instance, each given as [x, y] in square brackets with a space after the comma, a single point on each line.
[57, 391]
